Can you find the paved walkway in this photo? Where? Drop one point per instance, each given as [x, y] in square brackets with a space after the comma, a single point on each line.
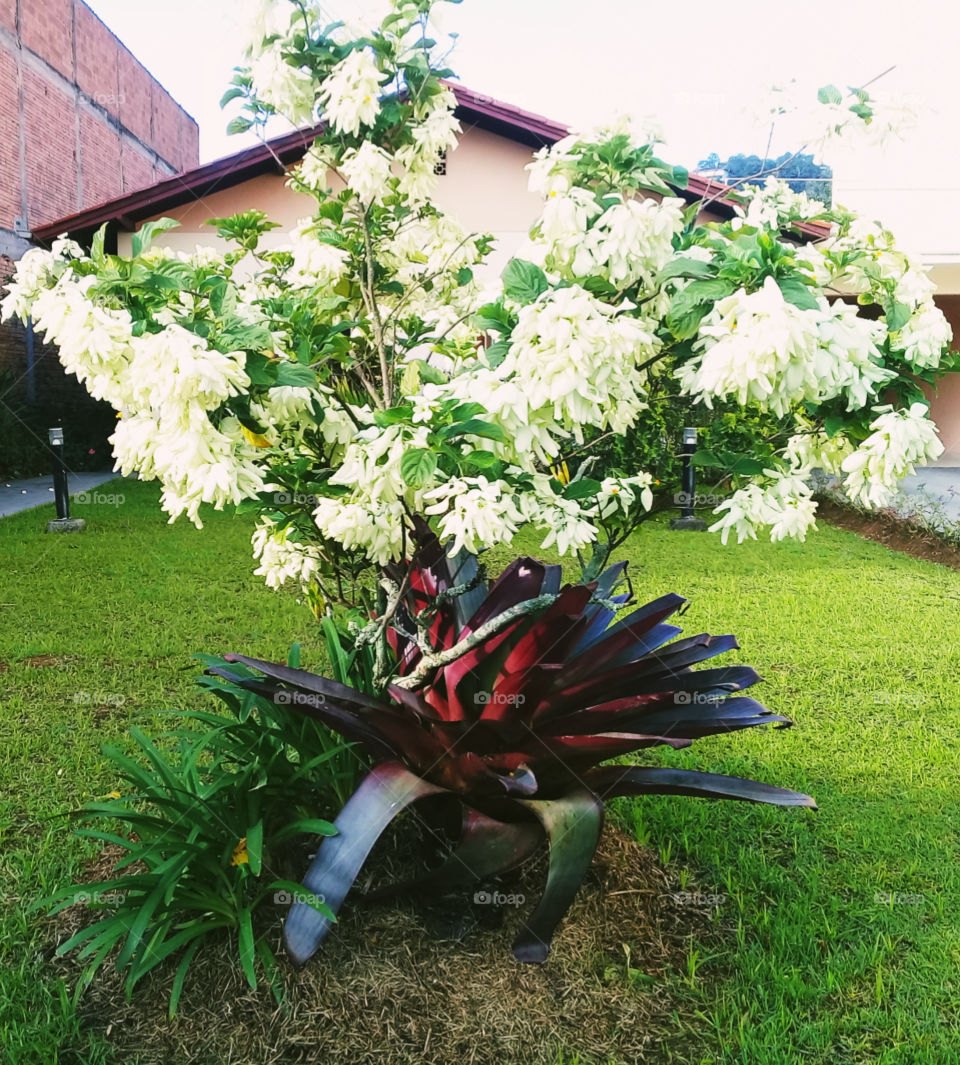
[23, 495]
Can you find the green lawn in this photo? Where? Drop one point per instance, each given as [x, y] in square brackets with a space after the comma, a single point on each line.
[858, 645]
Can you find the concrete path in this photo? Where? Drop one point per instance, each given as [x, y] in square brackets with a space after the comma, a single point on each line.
[23, 495]
[932, 485]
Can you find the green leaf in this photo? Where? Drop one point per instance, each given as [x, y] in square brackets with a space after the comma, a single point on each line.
[233, 93]
[181, 974]
[829, 94]
[255, 847]
[97, 247]
[680, 177]
[497, 352]
[898, 316]
[295, 375]
[583, 488]
[705, 457]
[143, 238]
[474, 427]
[418, 466]
[239, 124]
[796, 292]
[464, 276]
[833, 424]
[523, 281]
[307, 826]
[247, 947]
[691, 305]
[686, 267]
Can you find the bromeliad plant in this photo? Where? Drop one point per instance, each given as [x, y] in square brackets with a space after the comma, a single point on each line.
[509, 697]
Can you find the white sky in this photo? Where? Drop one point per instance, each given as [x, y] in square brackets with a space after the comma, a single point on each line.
[701, 69]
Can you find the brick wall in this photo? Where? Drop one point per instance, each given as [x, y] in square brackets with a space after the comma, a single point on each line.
[95, 123]
[81, 122]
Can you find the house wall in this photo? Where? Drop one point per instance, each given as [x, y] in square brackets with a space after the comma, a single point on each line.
[945, 401]
[484, 188]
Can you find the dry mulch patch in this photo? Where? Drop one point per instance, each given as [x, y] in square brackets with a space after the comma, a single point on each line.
[407, 982]
[899, 534]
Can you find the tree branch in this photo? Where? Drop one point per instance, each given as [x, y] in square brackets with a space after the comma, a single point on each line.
[430, 662]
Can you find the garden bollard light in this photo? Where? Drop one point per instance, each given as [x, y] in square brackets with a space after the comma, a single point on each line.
[688, 483]
[61, 489]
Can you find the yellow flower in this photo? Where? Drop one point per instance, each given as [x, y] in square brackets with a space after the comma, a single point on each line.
[561, 472]
[257, 439]
[240, 856]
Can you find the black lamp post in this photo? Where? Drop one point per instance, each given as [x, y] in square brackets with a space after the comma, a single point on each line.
[688, 484]
[61, 488]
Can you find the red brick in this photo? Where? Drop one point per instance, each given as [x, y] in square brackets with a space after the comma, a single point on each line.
[10, 205]
[97, 60]
[46, 27]
[134, 86]
[136, 167]
[166, 127]
[99, 161]
[189, 142]
[50, 126]
[8, 15]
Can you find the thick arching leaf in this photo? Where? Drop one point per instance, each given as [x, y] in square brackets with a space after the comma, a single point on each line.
[572, 824]
[385, 791]
[613, 780]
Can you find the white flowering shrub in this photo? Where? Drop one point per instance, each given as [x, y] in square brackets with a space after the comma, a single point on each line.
[359, 379]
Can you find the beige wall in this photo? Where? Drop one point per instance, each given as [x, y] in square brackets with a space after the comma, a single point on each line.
[485, 189]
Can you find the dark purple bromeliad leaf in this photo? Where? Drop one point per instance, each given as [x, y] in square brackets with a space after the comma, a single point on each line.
[517, 727]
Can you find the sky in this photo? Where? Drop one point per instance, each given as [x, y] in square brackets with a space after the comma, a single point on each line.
[701, 70]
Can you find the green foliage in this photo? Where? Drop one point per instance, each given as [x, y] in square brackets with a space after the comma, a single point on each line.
[799, 170]
[207, 828]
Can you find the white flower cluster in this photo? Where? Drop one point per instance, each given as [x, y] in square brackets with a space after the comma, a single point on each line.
[900, 440]
[870, 260]
[166, 384]
[784, 503]
[316, 263]
[285, 88]
[281, 558]
[367, 170]
[350, 96]
[620, 495]
[575, 360]
[760, 347]
[775, 203]
[475, 512]
[925, 337]
[36, 271]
